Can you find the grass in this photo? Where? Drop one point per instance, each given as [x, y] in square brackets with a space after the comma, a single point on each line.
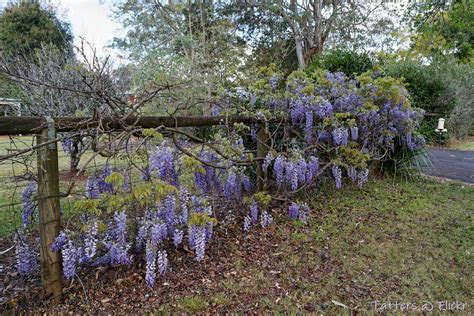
[391, 241]
[194, 304]
[388, 242]
[466, 144]
[11, 186]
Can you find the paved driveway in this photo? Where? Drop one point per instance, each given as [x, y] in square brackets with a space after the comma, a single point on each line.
[452, 164]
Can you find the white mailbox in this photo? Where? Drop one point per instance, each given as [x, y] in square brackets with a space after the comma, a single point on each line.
[441, 128]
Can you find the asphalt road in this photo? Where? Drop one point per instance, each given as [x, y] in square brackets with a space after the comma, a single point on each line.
[452, 164]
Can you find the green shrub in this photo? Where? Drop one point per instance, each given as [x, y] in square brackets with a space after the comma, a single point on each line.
[349, 62]
[443, 87]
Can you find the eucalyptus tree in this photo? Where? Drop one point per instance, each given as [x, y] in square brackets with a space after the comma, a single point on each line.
[186, 41]
[310, 25]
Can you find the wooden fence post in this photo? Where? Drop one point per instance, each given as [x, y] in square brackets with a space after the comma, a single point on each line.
[49, 213]
[262, 149]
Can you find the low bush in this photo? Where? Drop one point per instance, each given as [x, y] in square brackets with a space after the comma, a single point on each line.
[349, 62]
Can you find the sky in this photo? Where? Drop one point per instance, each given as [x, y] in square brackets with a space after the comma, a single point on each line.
[92, 20]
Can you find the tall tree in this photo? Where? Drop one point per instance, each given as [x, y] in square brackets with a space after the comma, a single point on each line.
[309, 24]
[182, 41]
[25, 26]
[445, 28]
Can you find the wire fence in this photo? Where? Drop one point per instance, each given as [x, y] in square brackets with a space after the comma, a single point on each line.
[45, 172]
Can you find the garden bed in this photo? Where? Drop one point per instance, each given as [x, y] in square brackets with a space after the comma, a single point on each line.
[389, 241]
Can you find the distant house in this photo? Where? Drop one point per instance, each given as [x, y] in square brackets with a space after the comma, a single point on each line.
[10, 107]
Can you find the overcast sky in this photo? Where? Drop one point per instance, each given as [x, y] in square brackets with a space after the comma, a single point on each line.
[91, 19]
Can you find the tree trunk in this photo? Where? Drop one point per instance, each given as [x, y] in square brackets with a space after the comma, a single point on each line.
[299, 52]
[74, 154]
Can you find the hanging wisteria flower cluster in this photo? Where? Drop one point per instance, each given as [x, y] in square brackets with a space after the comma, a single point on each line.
[293, 173]
[298, 211]
[343, 124]
[25, 252]
[255, 217]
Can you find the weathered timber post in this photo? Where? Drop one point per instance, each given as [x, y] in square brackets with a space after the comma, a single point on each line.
[49, 214]
[263, 136]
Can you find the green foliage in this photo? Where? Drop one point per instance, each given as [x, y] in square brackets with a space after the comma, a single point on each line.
[151, 132]
[349, 62]
[201, 219]
[90, 206]
[263, 198]
[446, 29]
[194, 304]
[406, 164]
[190, 166]
[443, 87]
[354, 157]
[116, 179]
[26, 26]
[149, 193]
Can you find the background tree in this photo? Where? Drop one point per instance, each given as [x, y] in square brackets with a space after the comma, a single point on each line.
[309, 25]
[184, 42]
[25, 26]
[444, 28]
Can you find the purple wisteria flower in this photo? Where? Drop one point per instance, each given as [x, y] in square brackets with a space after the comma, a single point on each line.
[302, 169]
[278, 168]
[344, 136]
[143, 226]
[28, 203]
[247, 223]
[232, 187]
[90, 243]
[158, 233]
[362, 177]
[26, 256]
[246, 183]
[352, 173]
[265, 219]
[354, 133]
[162, 262]
[313, 167]
[162, 161]
[273, 82]
[177, 237]
[267, 161]
[200, 242]
[150, 256]
[293, 211]
[291, 175]
[192, 233]
[254, 212]
[337, 136]
[67, 146]
[215, 110]
[70, 255]
[209, 231]
[116, 244]
[308, 129]
[59, 242]
[337, 174]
